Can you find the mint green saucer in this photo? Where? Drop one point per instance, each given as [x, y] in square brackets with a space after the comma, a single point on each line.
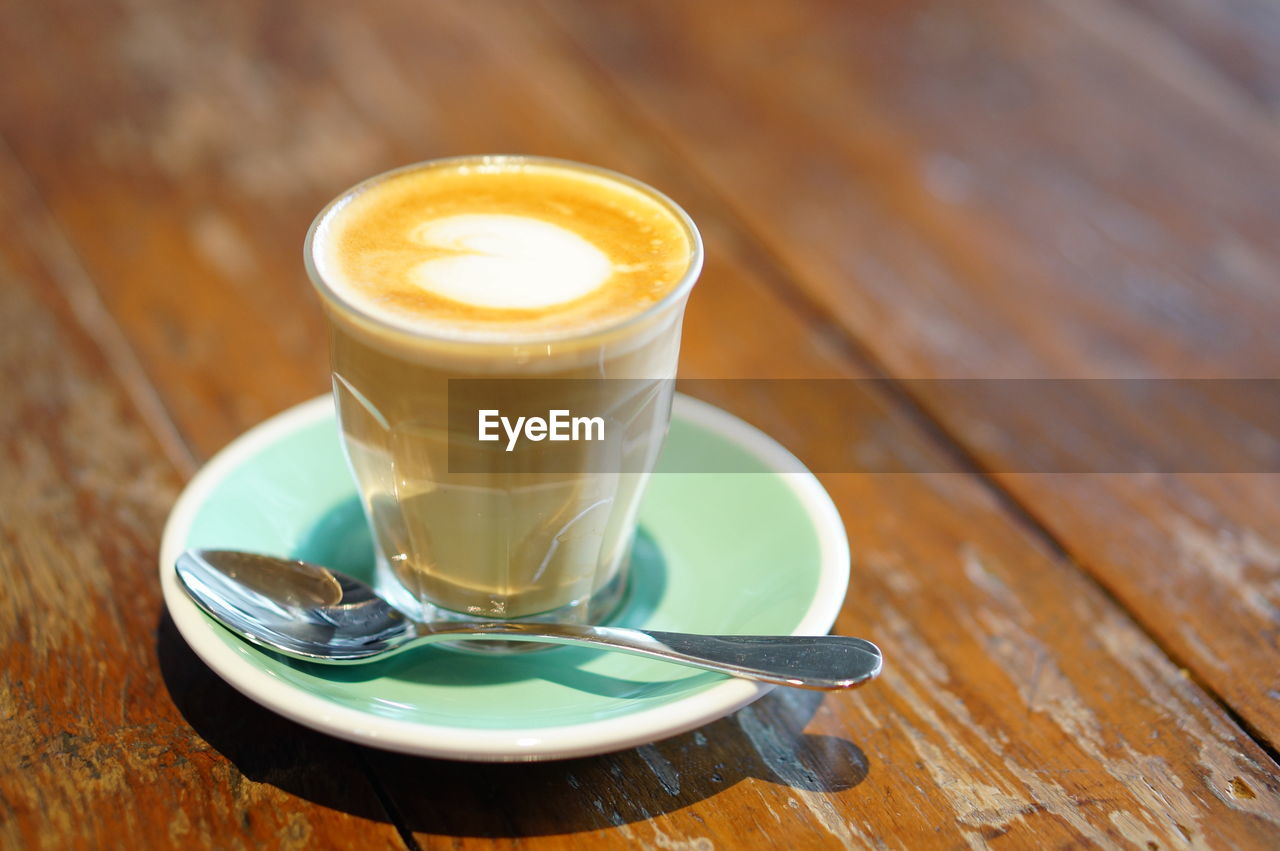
[761, 551]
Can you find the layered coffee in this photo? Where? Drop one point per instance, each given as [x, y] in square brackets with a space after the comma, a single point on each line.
[513, 269]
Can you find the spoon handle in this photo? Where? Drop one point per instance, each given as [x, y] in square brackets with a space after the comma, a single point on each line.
[802, 661]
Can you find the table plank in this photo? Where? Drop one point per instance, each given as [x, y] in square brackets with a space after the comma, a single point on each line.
[1233, 41]
[114, 733]
[1007, 190]
[1020, 700]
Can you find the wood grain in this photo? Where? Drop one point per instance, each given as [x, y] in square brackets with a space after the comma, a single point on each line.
[114, 734]
[1233, 41]
[1012, 190]
[1022, 703]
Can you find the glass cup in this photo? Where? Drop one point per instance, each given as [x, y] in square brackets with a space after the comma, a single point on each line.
[462, 529]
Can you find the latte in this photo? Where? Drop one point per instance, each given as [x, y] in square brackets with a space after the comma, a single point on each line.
[502, 248]
[505, 268]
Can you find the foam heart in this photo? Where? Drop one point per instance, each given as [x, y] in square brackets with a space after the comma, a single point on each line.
[499, 261]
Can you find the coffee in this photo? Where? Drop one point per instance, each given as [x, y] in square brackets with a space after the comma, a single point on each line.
[505, 268]
[502, 249]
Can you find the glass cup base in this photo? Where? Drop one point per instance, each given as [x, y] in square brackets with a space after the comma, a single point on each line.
[599, 608]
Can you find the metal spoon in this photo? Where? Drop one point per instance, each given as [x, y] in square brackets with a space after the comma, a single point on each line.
[313, 613]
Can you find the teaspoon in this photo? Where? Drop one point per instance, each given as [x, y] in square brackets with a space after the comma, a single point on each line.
[309, 612]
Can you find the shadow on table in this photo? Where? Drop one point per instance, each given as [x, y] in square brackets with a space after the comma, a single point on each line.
[765, 741]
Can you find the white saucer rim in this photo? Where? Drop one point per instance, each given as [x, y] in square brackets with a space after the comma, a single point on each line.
[505, 744]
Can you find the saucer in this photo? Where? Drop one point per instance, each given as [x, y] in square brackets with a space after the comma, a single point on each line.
[762, 551]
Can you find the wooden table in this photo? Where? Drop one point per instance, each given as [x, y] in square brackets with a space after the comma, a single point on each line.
[896, 190]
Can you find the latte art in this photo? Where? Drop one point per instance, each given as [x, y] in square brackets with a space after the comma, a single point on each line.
[501, 249]
[507, 262]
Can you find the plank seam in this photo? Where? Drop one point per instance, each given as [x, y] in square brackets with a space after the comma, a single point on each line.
[388, 803]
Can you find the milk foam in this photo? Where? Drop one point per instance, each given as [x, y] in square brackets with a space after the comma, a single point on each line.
[501, 261]
[501, 248]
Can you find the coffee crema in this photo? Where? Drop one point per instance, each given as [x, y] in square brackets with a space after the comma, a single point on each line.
[501, 247]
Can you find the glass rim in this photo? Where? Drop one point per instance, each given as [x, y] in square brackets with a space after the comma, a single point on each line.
[676, 294]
